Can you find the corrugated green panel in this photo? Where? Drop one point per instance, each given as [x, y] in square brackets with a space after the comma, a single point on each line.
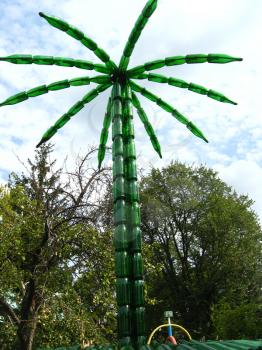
[200, 345]
[185, 345]
[236, 346]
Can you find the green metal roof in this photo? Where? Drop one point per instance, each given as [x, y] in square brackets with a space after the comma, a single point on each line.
[185, 345]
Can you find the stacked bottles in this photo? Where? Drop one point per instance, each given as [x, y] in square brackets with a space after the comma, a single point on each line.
[133, 220]
[122, 255]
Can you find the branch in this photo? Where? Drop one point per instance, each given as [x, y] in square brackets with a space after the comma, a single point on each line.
[8, 310]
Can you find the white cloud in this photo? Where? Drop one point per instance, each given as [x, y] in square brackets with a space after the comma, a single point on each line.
[176, 28]
[245, 176]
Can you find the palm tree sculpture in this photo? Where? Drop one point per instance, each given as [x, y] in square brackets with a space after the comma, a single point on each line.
[127, 234]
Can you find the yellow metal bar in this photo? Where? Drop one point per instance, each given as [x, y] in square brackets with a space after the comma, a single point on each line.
[166, 325]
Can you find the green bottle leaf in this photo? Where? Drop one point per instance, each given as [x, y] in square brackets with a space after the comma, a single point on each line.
[47, 136]
[196, 58]
[149, 129]
[84, 64]
[178, 83]
[165, 105]
[136, 71]
[62, 121]
[64, 62]
[157, 78]
[80, 81]
[75, 108]
[43, 60]
[104, 133]
[136, 32]
[175, 60]
[17, 98]
[39, 90]
[221, 58]
[154, 65]
[59, 85]
[196, 131]
[219, 97]
[101, 68]
[101, 79]
[75, 33]
[149, 9]
[18, 59]
[80, 36]
[182, 119]
[55, 22]
[197, 88]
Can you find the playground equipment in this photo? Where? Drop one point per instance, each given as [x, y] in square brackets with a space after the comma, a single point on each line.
[169, 325]
[123, 97]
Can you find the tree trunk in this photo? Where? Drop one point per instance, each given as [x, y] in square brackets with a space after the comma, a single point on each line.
[28, 320]
[26, 333]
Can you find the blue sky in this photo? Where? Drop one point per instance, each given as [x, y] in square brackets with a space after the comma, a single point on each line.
[176, 28]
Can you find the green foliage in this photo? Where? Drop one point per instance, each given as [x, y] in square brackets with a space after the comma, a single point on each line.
[56, 268]
[207, 240]
[239, 322]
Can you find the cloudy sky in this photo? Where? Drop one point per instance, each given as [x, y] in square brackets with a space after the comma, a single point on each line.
[177, 27]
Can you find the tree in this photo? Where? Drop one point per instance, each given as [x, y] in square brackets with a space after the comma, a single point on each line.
[238, 322]
[207, 240]
[46, 230]
[131, 326]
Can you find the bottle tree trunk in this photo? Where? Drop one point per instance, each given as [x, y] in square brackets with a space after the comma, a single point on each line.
[127, 236]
